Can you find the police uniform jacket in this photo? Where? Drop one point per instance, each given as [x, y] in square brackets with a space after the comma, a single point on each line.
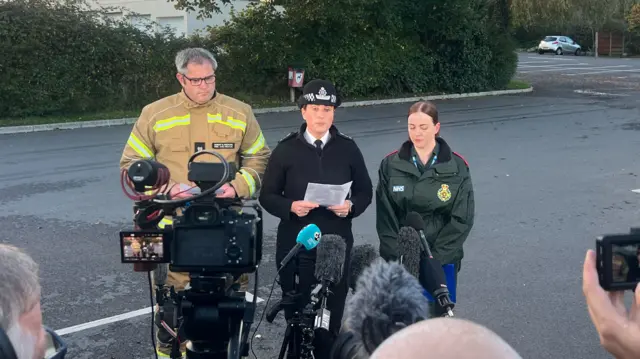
[294, 163]
[172, 129]
[442, 194]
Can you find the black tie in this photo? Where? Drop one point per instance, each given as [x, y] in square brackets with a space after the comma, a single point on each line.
[318, 146]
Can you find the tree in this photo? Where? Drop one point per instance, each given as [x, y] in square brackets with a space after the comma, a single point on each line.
[633, 18]
[595, 14]
[205, 8]
[541, 13]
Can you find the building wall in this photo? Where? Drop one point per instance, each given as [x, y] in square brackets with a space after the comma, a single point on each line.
[143, 13]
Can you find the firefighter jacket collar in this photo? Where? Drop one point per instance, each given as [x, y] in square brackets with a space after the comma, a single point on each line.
[189, 103]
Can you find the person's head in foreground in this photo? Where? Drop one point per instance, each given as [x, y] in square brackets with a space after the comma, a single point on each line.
[445, 338]
[20, 313]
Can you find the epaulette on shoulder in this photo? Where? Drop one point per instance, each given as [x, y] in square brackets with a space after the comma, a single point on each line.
[465, 161]
[344, 136]
[391, 154]
[290, 135]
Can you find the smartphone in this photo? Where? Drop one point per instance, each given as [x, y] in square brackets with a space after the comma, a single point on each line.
[618, 260]
[144, 246]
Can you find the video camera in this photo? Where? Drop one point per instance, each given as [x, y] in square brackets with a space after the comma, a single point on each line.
[213, 239]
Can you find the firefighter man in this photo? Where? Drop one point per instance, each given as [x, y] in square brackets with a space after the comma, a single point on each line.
[198, 118]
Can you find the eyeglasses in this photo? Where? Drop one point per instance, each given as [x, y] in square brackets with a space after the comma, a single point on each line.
[197, 81]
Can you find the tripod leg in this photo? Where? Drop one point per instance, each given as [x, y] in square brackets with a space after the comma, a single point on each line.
[294, 347]
[285, 342]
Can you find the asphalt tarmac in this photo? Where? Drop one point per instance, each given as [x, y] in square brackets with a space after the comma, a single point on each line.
[581, 66]
[550, 174]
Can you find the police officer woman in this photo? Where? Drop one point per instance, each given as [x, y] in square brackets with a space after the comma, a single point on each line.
[316, 153]
[427, 177]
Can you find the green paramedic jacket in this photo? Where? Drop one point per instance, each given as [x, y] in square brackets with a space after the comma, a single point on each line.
[442, 195]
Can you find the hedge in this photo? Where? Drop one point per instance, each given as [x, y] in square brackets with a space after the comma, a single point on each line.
[59, 59]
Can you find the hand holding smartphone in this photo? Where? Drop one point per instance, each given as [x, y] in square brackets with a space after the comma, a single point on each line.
[608, 272]
[618, 260]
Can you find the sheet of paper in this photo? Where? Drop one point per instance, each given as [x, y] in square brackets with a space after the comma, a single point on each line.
[327, 194]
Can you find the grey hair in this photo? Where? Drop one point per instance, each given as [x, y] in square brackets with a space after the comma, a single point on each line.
[194, 55]
[19, 284]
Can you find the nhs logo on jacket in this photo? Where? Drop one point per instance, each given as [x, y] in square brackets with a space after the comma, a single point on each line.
[398, 188]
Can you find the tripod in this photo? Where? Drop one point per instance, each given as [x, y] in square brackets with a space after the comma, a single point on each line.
[299, 335]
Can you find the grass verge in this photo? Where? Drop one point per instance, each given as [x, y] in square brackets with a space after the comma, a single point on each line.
[256, 102]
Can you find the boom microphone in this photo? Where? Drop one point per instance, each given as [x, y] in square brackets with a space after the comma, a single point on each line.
[307, 237]
[361, 257]
[388, 299]
[432, 275]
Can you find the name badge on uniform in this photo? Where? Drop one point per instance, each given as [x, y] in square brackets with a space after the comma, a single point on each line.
[223, 145]
[398, 188]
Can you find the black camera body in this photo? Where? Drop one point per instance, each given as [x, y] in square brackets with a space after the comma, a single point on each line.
[210, 235]
[213, 239]
[207, 238]
[618, 260]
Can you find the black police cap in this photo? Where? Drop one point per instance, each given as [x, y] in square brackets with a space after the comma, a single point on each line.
[319, 92]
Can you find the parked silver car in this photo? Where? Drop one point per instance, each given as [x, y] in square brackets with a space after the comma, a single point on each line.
[559, 45]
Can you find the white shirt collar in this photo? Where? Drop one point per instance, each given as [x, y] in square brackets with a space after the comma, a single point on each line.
[312, 140]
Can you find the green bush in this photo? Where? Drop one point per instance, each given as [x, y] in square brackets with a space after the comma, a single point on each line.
[377, 47]
[59, 59]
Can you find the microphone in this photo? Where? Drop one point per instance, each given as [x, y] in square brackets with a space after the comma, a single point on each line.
[330, 259]
[432, 275]
[361, 257]
[307, 237]
[409, 250]
[428, 270]
[148, 174]
[388, 299]
[415, 221]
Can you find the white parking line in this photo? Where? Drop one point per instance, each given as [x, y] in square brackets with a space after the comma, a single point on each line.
[552, 58]
[577, 68]
[555, 65]
[596, 93]
[605, 71]
[636, 190]
[541, 62]
[121, 317]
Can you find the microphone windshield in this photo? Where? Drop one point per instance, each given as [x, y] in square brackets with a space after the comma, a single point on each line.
[330, 258]
[409, 249]
[309, 236]
[389, 293]
[361, 257]
[415, 221]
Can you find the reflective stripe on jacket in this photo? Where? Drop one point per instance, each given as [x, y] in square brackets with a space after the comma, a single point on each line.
[172, 129]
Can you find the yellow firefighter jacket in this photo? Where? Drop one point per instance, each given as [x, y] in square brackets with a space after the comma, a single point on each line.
[171, 129]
